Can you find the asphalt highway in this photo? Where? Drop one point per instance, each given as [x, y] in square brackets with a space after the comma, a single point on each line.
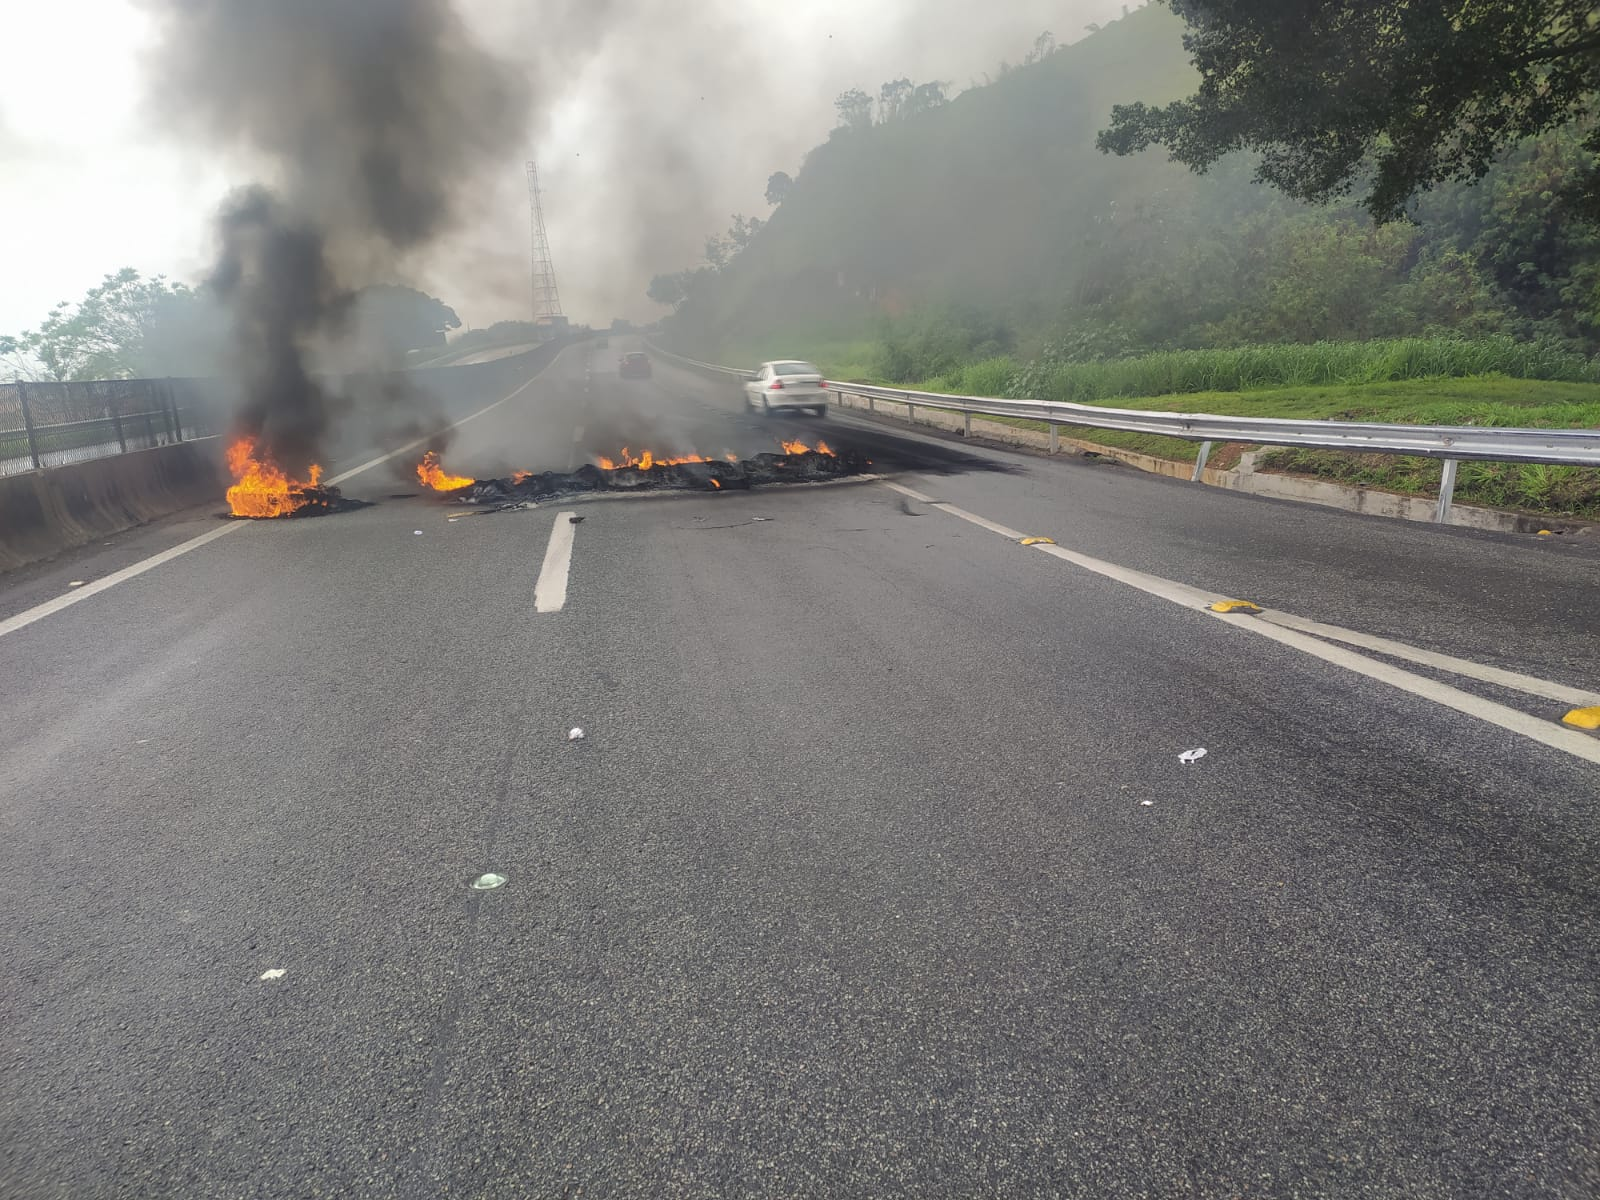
[875, 873]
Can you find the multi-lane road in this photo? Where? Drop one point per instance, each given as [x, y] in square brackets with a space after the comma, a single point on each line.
[876, 873]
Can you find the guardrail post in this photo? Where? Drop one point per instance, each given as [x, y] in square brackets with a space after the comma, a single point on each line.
[114, 407]
[911, 413]
[966, 424]
[1200, 461]
[1447, 491]
[1055, 437]
[872, 404]
[172, 407]
[27, 425]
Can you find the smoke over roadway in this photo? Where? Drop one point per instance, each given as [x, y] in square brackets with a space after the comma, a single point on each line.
[655, 121]
[370, 122]
[386, 142]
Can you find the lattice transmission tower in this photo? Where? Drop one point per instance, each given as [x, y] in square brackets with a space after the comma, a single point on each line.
[546, 299]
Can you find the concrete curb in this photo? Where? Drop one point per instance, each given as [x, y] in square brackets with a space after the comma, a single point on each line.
[47, 512]
[1246, 478]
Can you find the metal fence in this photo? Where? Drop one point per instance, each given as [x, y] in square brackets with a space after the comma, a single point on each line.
[46, 425]
[1449, 443]
[53, 424]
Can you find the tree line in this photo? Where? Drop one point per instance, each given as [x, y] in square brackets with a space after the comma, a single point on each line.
[1486, 223]
[129, 326]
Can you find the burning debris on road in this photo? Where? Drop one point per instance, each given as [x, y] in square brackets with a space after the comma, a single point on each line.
[798, 463]
[432, 475]
[261, 490]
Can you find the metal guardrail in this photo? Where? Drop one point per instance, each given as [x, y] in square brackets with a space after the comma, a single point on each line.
[1451, 443]
[49, 424]
[713, 368]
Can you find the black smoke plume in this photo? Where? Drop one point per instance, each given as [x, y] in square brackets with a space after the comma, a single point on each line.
[273, 275]
[370, 122]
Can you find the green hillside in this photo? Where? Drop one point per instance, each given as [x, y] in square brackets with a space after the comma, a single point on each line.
[982, 204]
[992, 226]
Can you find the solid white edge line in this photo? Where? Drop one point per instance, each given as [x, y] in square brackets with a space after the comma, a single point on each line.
[1182, 593]
[1548, 733]
[550, 592]
[1167, 589]
[1557, 737]
[1514, 680]
[974, 518]
[982, 522]
[50, 607]
[906, 491]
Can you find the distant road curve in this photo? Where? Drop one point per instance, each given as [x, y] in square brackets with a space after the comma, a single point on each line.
[483, 356]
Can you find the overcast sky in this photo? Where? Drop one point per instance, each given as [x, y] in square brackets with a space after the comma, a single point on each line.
[654, 122]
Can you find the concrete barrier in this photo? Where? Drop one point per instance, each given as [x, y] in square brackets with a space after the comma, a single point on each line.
[43, 513]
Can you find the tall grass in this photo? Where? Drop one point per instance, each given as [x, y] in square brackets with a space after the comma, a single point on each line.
[989, 377]
[1530, 487]
[1249, 368]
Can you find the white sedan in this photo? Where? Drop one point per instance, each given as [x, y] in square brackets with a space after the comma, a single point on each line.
[787, 385]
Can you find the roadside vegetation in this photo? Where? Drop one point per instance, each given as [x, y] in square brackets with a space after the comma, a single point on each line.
[1488, 381]
[982, 243]
[1485, 400]
[1319, 364]
[1477, 400]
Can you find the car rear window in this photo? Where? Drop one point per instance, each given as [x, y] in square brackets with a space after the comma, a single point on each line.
[794, 368]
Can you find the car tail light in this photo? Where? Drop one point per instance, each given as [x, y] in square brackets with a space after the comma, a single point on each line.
[822, 383]
[775, 386]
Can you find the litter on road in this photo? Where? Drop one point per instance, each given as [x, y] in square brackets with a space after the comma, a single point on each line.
[1146, 803]
[1191, 756]
[416, 533]
[575, 735]
[487, 882]
[275, 973]
[75, 583]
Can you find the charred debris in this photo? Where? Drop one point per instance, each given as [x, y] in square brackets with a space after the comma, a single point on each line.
[704, 476]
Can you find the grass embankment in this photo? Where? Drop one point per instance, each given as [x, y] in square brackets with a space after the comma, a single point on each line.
[1567, 491]
[853, 359]
[1425, 381]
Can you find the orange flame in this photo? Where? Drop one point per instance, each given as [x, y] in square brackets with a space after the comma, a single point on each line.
[716, 484]
[649, 458]
[802, 448]
[430, 473]
[261, 489]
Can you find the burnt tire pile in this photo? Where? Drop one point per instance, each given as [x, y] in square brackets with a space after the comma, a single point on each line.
[318, 501]
[307, 502]
[811, 467]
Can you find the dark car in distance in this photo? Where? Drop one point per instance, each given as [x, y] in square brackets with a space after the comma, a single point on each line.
[634, 366]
